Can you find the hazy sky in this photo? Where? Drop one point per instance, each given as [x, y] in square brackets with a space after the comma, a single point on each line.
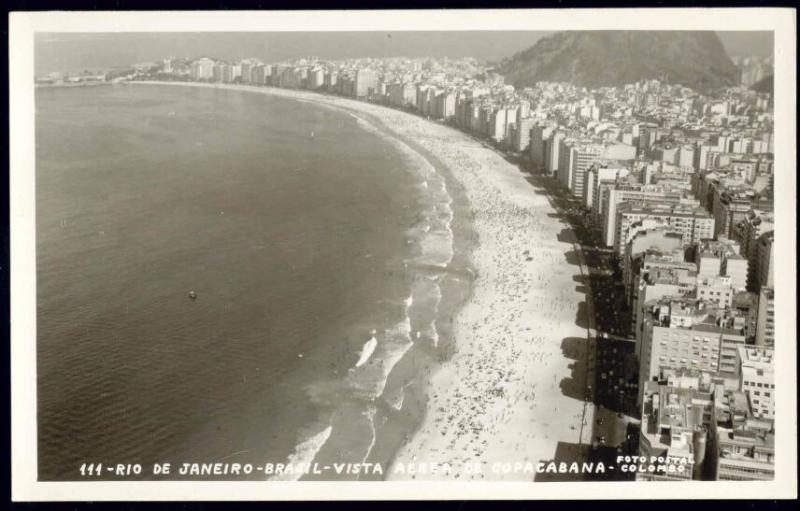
[73, 52]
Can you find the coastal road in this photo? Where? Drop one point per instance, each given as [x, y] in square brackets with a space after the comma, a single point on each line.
[611, 369]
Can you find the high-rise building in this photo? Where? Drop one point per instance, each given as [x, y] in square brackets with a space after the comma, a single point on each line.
[331, 77]
[444, 105]
[659, 275]
[730, 207]
[765, 261]
[597, 174]
[402, 94]
[539, 134]
[715, 290]
[497, 124]
[202, 69]
[522, 138]
[576, 157]
[227, 73]
[647, 137]
[552, 148]
[646, 237]
[316, 78]
[219, 72]
[693, 222]
[366, 82]
[757, 377]
[765, 321]
[258, 74]
[681, 333]
[247, 66]
[721, 257]
[675, 427]
[423, 99]
[745, 445]
[612, 195]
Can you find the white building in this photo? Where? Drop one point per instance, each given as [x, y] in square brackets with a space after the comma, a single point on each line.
[756, 373]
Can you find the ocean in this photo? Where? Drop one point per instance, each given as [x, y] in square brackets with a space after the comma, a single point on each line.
[322, 252]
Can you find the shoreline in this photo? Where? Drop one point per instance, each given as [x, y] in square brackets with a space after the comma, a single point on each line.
[512, 389]
[70, 85]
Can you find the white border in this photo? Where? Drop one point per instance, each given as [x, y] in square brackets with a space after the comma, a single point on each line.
[23, 277]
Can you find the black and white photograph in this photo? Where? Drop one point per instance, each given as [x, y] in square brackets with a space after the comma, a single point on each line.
[553, 248]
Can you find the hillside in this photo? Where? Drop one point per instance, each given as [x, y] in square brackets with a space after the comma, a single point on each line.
[609, 58]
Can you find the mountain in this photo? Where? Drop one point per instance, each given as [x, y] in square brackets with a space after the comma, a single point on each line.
[764, 85]
[616, 57]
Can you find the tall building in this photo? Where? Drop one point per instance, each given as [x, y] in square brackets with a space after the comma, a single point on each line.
[597, 174]
[574, 159]
[675, 426]
[277, 71]
[402, 94]
[730, 208]
[721, 257]
[219, 72]
[316, 78]
[765, 260]
[646, 237]
[612, 195]
[765, 321]
[654, 275]
[236, 71]
[444, 105]
[423, 101]
[755, 224]
[539, 134]
[715, 290]
[497, 124]
[366, 82]
[202, 69]
[757, 377]
[511, 124]
[647, 137]
[522, 138]
[552, 147]
[227, 73]
[331, 79]
[247, 66]
[745, 446]
[693, 222]
[680, 333]
[258, 74]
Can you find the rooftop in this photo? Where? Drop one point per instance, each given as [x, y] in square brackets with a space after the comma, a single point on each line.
[756, 357]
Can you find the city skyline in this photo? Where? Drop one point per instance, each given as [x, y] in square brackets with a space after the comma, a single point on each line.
[68, 52]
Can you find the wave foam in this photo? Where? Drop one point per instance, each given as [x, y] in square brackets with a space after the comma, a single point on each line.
[367, 351]
[304, 454]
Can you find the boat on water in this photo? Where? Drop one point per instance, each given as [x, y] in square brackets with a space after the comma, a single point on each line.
[192, 295]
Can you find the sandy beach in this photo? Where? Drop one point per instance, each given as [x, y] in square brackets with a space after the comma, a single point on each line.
[512, 392]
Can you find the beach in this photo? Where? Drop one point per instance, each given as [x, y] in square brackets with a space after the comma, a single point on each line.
[512, 390]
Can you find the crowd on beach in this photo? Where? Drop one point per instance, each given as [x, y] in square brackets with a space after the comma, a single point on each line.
[500, 396]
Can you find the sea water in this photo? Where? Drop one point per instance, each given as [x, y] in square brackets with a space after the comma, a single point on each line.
[315, 244]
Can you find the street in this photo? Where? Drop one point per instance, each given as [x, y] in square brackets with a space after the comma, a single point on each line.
[612, 368]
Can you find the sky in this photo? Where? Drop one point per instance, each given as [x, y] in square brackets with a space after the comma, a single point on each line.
[75, 52]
